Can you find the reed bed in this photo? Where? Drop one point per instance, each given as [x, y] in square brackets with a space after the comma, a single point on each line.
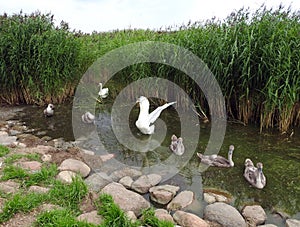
[254, 57]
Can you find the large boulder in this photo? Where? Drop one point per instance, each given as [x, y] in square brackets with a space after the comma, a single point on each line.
[292, 223]
[97, 181]
[224, 214]
[75, 166]
[255, 215]
[145, 182]
[163, 194]
[126, 199]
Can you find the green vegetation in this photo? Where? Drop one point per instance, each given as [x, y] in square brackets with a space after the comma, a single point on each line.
[3, 150]
[254, 57]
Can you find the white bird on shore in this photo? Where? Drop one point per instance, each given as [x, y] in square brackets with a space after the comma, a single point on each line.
[217, 160]
[253, 175]
[88, 118]
[49, 111]
[103, 92]
[145, 120]
[177, 145]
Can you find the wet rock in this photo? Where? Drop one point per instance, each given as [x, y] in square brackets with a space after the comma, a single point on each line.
[9, 186]
[224, 214]
[97, 181]
[163, 194]
[75, 166]
[182, 200]
[32, 166]
[38, 189]
[126, 199]
[91, 217]
[292, 223]
[189, 220]
[163, 214]
[66, 176]
[255, 214]
[118, 174]
[145, 182]
[126, 181]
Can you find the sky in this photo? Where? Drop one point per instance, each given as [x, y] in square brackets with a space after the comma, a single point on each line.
[109, 15]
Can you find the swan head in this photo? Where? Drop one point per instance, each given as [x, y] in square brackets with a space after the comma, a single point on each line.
[143, 102]
[173, 138]
[259, 166]
[248, 162]
[50, 106]
[231, 148]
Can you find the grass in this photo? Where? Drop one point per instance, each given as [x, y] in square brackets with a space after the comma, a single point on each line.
[3, 150]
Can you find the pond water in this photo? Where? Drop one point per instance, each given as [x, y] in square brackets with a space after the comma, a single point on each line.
[280, 155]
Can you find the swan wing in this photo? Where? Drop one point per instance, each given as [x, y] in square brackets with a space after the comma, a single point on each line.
[155, 113]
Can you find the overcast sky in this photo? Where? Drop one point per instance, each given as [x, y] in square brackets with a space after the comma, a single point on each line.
[108, 15]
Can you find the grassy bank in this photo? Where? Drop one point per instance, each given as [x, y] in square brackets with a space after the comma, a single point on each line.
[254, 57]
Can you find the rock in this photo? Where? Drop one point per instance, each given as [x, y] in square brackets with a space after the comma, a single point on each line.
[38, 189]
[9, 186]
[163, 214]
[254, 214]
[163, 194]
[267, 225]
[5, 139]
[75, 166]
[126, 181]
[30, 165]
[189, 220]
[224, 214]
[292, 223]
[126, 199]
[13, 132]
[130, 214]
[46, 157]
[145, 182]
[118, 174]
[91, 217]
[66, 176]
[208, 198]
[97, 181]
[182, 200]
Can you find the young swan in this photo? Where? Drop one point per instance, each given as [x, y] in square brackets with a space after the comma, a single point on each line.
[145, 120]
[49, 111]
[254, 175]
[103, 92]
[177, 145]
[217, 160]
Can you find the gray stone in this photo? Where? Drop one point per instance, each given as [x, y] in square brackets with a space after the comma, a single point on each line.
[9, 186]
[292, 223]
[182, 200]
[97, 181]
[38, 189]
[267, 225]
[163, 194]
[208, 198]
[126, 199]
[75, 166]
[46, 157]
[126, 181]
[130, 214]
[91, 217]
[145, 182]
[118, 174]
[224, 214]
[66, 176]
[163, 214]
[189, 220]
[254, 214]
[30, 165]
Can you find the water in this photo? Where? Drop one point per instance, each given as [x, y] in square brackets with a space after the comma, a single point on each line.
[280, 155]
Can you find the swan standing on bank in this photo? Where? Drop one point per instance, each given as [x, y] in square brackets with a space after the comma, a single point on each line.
[49, 111]
[217, 160]
[145, 118]
[103, 92]
[88, 118]
[177, 145]
[253, 175]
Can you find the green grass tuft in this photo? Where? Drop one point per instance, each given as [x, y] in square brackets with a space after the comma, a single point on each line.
[3, 150]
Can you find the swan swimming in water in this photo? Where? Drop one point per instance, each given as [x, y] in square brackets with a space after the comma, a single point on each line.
[145, 120]
[176, 145]
[254, 175]
[217, 160]
[103, 92]
[88, 118]
[49, 111]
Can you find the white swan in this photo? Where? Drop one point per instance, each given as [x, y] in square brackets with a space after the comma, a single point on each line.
[49, 111]
[88, 118]
[145, 118]
[103, 92]
[254, 175]
[177, 145]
